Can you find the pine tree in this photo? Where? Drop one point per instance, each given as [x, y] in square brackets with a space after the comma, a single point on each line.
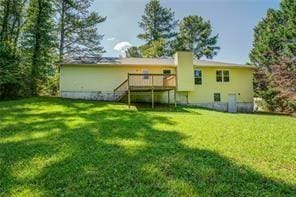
[133, 52]
[77, 29]
[268, 41]
[274, 52]
[195, 35]
[157, 23]
[38, 42]
[154, 49]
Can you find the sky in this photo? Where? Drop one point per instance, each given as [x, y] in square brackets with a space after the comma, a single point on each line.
[233, 20]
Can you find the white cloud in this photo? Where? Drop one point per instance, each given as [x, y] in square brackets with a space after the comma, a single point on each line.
[111, 39]
[122, 47]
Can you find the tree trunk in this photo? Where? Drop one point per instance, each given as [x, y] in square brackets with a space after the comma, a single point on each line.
[4, 29]
[34, 71]
[62, 33]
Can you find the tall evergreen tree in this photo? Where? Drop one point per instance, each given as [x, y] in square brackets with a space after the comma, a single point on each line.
[39, 43]
[77, 29]
[274, 52]
[268, 41]
[195, 35]
[275, 36]
[157, 23]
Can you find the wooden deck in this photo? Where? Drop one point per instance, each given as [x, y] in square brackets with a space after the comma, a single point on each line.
[148, 83]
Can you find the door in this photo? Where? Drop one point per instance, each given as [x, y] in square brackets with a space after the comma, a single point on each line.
[166, 77]
[232, 103]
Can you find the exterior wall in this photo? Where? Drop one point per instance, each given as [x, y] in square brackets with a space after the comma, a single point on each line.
[98, 83]
[241, 84]
[102, 79]
[222, 106]
[184, 62]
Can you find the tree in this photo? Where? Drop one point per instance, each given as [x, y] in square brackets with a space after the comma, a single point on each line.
[133, 52]
[195, 35]
[157, 23]
[38, 42]
[268, 42]
[10, 74]
[77, 29]
[274, 52]
[11, 22]
[154, 49]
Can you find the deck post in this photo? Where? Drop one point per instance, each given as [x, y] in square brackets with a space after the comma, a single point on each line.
[152, 99]
[129, 98]
[152, 92]
[175, 97]
[129, 91]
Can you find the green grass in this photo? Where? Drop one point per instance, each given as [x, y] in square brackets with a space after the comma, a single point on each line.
[51, 146]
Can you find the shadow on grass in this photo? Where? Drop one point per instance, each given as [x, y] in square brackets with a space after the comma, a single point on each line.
[273, 114]
[158, 107]
[92, 148]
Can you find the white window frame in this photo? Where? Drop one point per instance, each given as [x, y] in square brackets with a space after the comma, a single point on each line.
[201, 77]
[222, 76]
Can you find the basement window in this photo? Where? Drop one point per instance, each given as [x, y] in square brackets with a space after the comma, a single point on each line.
[217, 97]
[166, 72]
[197, 77]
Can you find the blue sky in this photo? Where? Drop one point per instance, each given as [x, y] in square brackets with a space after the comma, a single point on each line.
[233, 20]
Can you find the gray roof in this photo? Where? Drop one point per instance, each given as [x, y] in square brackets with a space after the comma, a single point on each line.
[209, 63]
[146, 61]
[123, 61]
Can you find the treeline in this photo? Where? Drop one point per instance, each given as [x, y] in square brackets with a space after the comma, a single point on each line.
[274, 54]
[163, 35]
[35, 35]
[38, 34]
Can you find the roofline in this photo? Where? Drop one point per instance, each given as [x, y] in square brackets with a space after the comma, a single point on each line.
[225, 66]
[114, 65]
[161, 65]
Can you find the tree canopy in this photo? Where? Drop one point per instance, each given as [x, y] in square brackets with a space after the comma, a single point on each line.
[162, 39]
[274, 52]
[157, 22]
[77, 29]
[35, 35]
[195, 35]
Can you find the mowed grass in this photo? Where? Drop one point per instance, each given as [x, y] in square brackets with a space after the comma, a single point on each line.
[51, 146]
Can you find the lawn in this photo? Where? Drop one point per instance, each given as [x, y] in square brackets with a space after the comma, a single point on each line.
[51, 146]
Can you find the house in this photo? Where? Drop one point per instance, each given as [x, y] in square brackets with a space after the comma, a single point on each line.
[179, 80]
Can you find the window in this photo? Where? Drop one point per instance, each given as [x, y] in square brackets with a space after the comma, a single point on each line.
[217, 97]
[197, 77]
[219, 76]
[146, 74]
[222, 76]
[166, 72]
[226, 76]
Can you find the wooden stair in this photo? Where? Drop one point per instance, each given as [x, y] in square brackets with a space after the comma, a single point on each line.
[120, 91]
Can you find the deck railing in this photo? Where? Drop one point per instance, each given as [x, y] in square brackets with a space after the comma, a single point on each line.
[146, 82]
[152, 80]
